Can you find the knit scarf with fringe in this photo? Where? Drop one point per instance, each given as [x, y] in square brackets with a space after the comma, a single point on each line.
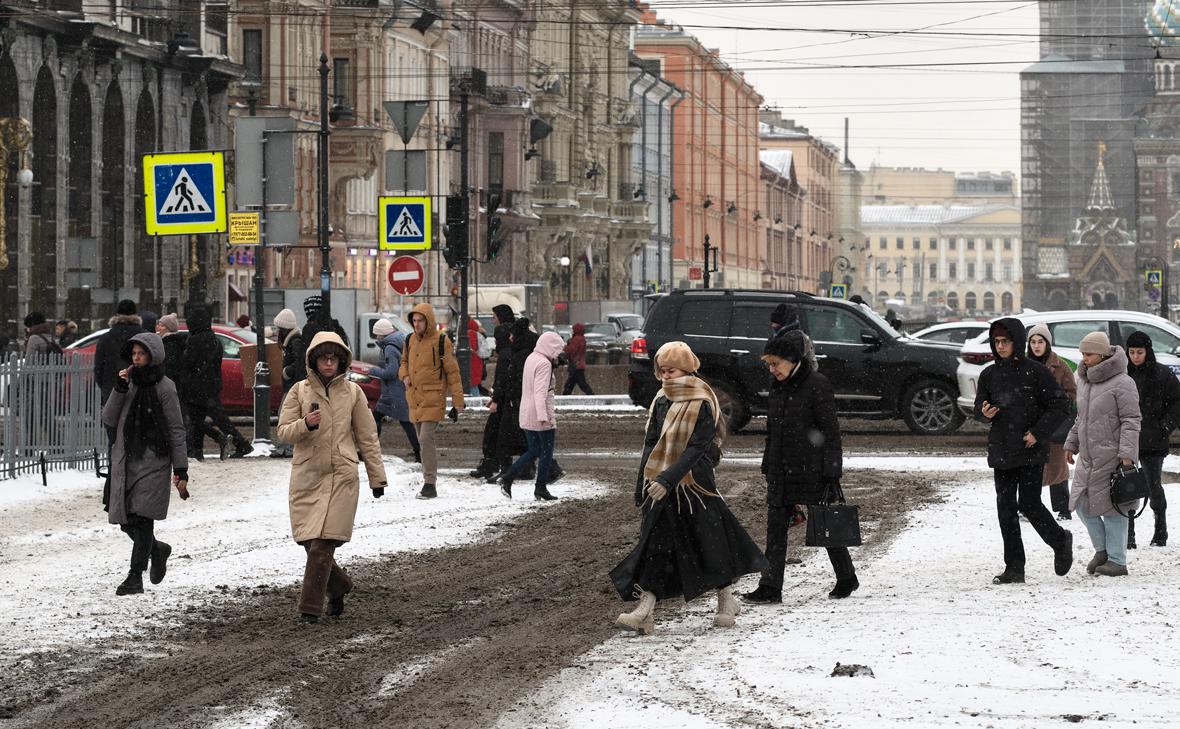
[687, 394]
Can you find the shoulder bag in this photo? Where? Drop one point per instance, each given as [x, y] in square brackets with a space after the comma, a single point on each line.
[833, 523]
[1128, 485]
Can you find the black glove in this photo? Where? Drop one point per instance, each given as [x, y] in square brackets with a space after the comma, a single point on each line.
[379, 491]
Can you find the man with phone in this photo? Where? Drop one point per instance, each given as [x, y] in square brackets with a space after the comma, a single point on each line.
[1024, 405]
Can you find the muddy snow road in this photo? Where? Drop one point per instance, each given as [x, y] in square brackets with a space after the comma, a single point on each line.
[450, 629]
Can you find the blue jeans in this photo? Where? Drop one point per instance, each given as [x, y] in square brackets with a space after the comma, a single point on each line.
[1106, 533]
[540, 448]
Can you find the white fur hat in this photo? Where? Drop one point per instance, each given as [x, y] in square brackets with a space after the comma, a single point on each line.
[285, 319]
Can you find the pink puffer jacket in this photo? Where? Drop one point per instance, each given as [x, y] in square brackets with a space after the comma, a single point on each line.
[537, 404]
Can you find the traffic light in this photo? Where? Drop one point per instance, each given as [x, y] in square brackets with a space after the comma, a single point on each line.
[494, 222]
[455, 231]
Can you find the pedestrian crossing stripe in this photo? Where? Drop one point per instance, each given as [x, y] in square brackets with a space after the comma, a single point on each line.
[184, 193]
[405, 223]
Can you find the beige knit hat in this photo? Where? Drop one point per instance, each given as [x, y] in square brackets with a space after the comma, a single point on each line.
[678, 355]
[1095, 343]
[382, 327]
[285, 319]
[169, 322]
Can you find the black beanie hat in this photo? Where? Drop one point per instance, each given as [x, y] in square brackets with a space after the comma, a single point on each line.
[1139, 339]
[34, 318]
[789, 346]
[126, 307]
[783, 314]
[504, 313]
[312, 305]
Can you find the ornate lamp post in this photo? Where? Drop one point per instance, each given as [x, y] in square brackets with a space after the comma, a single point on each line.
[15, 135]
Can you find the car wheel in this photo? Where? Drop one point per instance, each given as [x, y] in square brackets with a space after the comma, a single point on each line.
[929, 408]
[737, 415]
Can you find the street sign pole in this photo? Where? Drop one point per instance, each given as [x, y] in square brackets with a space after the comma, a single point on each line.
[261, 367]
[462, 343]
[325, 251]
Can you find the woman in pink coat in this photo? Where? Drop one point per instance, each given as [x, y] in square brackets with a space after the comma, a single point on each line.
[538, 417]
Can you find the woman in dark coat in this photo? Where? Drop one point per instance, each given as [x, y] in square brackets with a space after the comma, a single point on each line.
[803, 461]
[506, 398]
[1056, 473]
[1159, 403]
[690, 542]
[148, 456]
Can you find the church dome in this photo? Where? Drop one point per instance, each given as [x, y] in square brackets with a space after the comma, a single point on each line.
[1163, 23]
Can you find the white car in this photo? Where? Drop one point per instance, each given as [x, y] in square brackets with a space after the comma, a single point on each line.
[953, 332]
[1067, 329]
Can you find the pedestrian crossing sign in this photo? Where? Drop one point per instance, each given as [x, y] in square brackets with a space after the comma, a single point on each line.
[184, 193]
[1155, 276]
[404, 223]
[838, 291]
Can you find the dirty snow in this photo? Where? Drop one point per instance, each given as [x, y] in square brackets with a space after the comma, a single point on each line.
[946, 646]
[60, 560]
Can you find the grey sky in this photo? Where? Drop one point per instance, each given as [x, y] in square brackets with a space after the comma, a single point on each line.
[964, 117]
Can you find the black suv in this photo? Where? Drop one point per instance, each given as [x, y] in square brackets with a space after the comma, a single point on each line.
[876, 372]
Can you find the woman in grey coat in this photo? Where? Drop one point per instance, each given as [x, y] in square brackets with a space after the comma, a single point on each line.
[147, 458]
[392, 404]
[1105, 435]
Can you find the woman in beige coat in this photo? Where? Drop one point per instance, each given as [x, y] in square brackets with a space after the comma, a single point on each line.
[327, 418]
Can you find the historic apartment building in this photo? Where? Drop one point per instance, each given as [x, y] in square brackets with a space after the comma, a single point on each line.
[962, 257]
[717, 175]
[86, 89]
[780, 215]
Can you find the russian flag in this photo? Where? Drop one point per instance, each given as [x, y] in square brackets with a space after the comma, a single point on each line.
[588, 259]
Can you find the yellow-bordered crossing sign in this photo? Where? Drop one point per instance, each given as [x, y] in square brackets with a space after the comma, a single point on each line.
[184, 192]
[404, 222]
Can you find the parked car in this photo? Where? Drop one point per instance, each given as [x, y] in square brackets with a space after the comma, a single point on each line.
[1067, 329]
[951, 332]
[629, 325]
[236, 398]
[875, 371]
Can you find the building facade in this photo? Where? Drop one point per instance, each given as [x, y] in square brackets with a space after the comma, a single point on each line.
[716, 171]
[97, 86]
[958, 260]
[780, 217]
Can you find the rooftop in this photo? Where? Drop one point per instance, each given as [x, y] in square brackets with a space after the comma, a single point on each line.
[924, 214]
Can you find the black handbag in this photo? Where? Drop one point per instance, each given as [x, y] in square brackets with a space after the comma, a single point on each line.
[833, 523]
[1128, 485]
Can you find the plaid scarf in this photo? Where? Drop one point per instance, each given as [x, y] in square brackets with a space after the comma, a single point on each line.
[687, 394]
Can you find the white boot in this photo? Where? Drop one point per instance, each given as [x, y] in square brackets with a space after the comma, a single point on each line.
[727, 608]
[640, 619]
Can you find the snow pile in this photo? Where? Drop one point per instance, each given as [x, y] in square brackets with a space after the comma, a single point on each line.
[946, 647]
[60, 560]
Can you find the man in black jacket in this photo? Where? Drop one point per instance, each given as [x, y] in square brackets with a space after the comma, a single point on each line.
[1159, 402]
[108, 358]
[202, 389]
[1024, 405]
[489, 465]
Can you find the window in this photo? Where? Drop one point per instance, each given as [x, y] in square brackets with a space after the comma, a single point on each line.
[969, 301]
[495, 162]
[1006, 302]
[230, 348]
[252, 54]
[917, 243]
[900, 243]
[933, 271]
[953, 271]
[970, 244]
[988, 244]
[829, 324]
[1007, 244]
[933, 244]
[952, 301]
[341, 82]
[883, 244]
[1162, 341]
[710, 318]
[1006, 270]
[952, 243]
[752, 321]
[989, 302]
[989, 273]
[1070, 333]
[971, 271]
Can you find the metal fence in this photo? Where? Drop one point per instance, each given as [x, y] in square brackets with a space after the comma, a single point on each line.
[50, 411]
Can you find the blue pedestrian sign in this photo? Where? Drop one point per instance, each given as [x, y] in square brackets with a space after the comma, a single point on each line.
[1155, 276]
[838, 291]
[404, 223]
[184, 193]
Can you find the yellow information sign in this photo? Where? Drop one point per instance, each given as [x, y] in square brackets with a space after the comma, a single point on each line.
[244, 229]
[184, 192]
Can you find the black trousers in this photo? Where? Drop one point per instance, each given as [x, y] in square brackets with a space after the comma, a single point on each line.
[220, 428]
[491, 435]
[576, 377]
[143, 538]
[407, 426]
[778, 520]
[1153, 467]
[1018, 491]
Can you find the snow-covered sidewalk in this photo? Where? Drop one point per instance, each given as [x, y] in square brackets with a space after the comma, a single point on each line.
[60, 561]
[946, 646]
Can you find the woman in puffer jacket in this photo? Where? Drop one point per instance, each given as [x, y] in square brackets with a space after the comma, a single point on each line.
[1104, 436]
[1056, 474]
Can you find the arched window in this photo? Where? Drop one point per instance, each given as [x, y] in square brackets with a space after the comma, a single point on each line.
[989, 303]
[900, 296]
[882, 297]
[1006, 302]
[932, 298]
[969, 302]
[952, 301]
[1058, 300]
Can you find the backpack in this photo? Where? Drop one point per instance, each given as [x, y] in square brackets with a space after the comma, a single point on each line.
[442, 338]
[486, 347]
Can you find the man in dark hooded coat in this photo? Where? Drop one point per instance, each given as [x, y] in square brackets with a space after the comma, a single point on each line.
[489, 465]
[108, 357]
[201, 392]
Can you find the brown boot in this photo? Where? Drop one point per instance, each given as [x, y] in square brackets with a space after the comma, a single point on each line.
[1096, 561]
[640, 619]
[727, 608]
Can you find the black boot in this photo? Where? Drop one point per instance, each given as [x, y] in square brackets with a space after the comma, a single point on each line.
[541, 493]
[1063, 554]
[1160, 538]
[1008, 577]
[242, 449]
[506, 487]
[483, 470]
[555, 472]
[223, 447]
[133, 585]
[160, 554]
[763, 596]
[427, 492]
[845, 586]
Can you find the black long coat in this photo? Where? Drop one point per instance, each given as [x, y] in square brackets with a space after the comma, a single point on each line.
[174, 355]
[108, 354]
[202, 360]
[803, 455]
[1159, 403]
[688, 544]
[1029, 399]
[507, 394]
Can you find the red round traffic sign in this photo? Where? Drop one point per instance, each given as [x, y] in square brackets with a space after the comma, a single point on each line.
[406, 275]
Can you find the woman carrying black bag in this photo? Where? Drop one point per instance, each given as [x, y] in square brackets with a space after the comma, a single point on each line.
[803, 461]
[690, 542]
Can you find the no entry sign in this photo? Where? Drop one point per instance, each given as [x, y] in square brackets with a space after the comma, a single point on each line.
[406, 275]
